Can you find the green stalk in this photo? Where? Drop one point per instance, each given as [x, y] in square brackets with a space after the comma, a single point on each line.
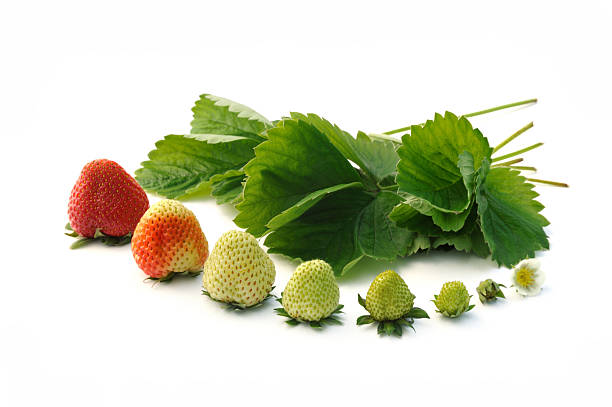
[494, 109]
[478, 113]
[508, 163]
[388, 187]
[512, 137]
[524, 150]
[553, 183]
[521, 168]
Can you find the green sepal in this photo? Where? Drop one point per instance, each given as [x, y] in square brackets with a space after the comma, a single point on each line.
[488, 290]
[172, 274]
[416, 313]
[98, 236]
[391, 327]
[328, 320]
[365, 319]
[234, 306]
[361, 301]
[331, 321]
[456, 314]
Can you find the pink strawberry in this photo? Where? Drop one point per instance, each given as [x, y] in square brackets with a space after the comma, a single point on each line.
[168, 240]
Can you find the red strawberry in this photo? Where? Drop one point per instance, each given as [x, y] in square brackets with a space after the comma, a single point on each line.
[169, 240]
[107, 198]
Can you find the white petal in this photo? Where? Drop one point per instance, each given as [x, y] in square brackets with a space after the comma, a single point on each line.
[531, 264]
[539, 278]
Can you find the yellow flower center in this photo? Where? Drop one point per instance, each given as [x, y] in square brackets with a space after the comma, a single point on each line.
[525, 277]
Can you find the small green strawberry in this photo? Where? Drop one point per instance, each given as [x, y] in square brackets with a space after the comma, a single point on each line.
[488, 290]
[453, 299]
[311, 295]
[390, 303]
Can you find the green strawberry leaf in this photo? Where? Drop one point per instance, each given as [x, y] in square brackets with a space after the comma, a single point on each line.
[437, 221]
[183, 164]
[377, 235]
[420, 242]
[429, 166]
[467, 241]
[227, 187]
[509, 215]
[216, 115]
[406, 216]
[377, 158]
[295, 161]
[341, 229]
[306, 203]
[327, 231]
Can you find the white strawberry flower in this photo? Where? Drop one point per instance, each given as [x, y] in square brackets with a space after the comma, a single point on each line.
[527, 278]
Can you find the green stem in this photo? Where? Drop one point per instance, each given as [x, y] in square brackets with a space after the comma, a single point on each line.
[553, 183]
[512, 137]
[394, 186]
[508, 163]
[384, 137]
[524, 150]
[478, 113]
[494, 109]
[521, 168]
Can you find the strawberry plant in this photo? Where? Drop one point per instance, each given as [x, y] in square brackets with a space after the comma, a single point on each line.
[316, 192]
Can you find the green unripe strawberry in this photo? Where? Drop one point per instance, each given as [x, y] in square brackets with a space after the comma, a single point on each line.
[238, 271]
[312, 293]
[389, 297]
[453, 299]
[488, 290]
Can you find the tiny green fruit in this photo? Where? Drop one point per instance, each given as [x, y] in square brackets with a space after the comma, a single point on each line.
[311, 295]
[488, 290]
[390, 303]
[453, 299]
[389, 297]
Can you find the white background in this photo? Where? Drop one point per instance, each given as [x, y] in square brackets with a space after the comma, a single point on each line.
[82, 80]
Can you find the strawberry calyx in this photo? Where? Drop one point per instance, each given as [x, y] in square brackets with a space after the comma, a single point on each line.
[234, 306]
[98, 236]
[329, 320]
[172, 274]
[391, 327]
